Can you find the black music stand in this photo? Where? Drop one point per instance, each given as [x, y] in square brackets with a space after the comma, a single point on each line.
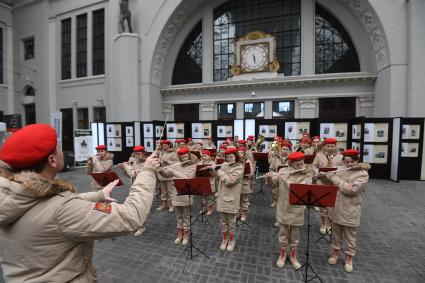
[191, 187]
[311, 195]
[262, 167]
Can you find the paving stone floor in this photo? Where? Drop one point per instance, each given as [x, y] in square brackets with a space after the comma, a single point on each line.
[391, 243]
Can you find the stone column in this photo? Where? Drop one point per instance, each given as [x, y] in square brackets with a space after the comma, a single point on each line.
[365, 106]
[207, 46]
[308, 107]
[125, 99]
[8, 72]
[52, 65]
[307, 37]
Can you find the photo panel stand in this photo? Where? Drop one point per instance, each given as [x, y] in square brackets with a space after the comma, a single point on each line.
[311, 195]
[192, 187]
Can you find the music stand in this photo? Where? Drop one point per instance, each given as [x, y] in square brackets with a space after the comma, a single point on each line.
[105, 178]
[262, 167]
[201, 172]
[191, 187]
[311, 195]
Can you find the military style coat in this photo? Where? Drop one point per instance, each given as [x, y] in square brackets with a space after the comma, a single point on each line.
[47, 230]
[349, 198]
[229, 179]
[100, 165]
[133, 169]
[286, 213]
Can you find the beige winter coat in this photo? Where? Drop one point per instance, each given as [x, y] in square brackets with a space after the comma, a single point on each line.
[167, 158]
[100, 165]
[349, 198]
[323, 161]
[133, 169]
[285, 213]
[276, 161]
[181, 171]
[229, 179]
[47, 230]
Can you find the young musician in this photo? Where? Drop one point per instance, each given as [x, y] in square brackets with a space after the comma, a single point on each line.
[208, 201]
[101, 162]
[246, 182]
[305, 146]
[186, 169]
[345, 215]
[277, 159]
[167, 157]
[210, 144]
[133, 169]
[290, 217]
[220, 153]
[326, 158]
[229, 177]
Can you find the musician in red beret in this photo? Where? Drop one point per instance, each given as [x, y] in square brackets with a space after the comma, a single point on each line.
[351, 178]
[186, 169]
[210, 144]
[229, 178]
[167, 157]
[290, 217]
[246, 182]
[305, 146]
[101, 162]
[328, 157]
[190, 144]
[47, 229]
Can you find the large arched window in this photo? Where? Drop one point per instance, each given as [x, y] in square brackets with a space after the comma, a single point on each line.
[235, 18]
[188, 67]
[335, 52]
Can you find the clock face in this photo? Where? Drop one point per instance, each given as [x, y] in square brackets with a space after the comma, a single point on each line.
[254, 57]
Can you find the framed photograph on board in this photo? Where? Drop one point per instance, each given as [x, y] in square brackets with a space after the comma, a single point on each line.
[327, 130]
[380, 132]
[291, 130]
[159, 131]
[113, 130]
[380, 154]
[129, 131]
[129, 141]
[148, 130]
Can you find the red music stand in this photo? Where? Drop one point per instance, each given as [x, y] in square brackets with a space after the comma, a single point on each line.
[201, 172]
[308, 159]
[191, 187]
[247, 169]
[105, 178]
[260, 156]
[311, 195]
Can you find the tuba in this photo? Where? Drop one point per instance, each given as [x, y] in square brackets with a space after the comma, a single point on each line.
[258, 143]
[275, 147]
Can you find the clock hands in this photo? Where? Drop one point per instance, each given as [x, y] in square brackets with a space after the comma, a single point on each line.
[253, 56]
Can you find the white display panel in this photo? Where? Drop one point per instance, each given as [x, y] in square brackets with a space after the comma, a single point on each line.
[249, 128]
[238, 128]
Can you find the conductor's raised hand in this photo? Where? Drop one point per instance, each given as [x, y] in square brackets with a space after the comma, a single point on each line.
[107, 190]
[152, 161]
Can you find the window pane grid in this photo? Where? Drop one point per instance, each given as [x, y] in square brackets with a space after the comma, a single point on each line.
[284, 109]
[99, 42]
[226, 111]
[82, 45]
[66, 49]
[335, 52]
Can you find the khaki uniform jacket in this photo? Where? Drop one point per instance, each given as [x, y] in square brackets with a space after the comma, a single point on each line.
[323, 161]
[229, 179]
[285, 213]
[276, 161]
[348, 202]
[47, 230]
[133, 169]
[99, 166]
[212, 178]
[167, 158]
[246, 181]
[210, 146]
[181, 171]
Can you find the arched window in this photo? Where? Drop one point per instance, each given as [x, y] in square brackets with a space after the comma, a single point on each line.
[235, 18]
[29, 91]
[188, 67]
[335, 52]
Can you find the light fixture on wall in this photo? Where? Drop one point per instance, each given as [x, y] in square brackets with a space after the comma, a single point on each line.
[253, 93]
[100, 101]
[74, 103]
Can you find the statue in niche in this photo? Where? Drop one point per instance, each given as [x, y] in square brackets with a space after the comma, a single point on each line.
[125, 15]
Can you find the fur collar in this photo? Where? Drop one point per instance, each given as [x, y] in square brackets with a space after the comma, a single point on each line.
[38, 185]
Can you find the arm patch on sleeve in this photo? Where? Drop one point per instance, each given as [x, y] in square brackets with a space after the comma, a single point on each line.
[103, 207]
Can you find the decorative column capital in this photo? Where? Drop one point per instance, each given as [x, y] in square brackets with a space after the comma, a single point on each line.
[366, 102]
[167, 108]
[207, 107]
[308, 102]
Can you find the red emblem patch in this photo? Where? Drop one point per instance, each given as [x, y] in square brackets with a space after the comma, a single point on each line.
[104, 207]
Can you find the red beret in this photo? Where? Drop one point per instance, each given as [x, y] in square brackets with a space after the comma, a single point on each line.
[223, 147]
[101, 147]
[351, 152]
[182, 150]
[250, 138]
[330, 141]
[210, 138]
[285, 143]
[305, 139]
[296, 156]
[277, 138]
[165, 142]
[199, 143]
[229, 138]
[138, 148]
[241, 148]
[207, 152]
[188, 139]
[316, 138]
[29, 146]
[231, 150]
[242, 141]
[225, 143]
